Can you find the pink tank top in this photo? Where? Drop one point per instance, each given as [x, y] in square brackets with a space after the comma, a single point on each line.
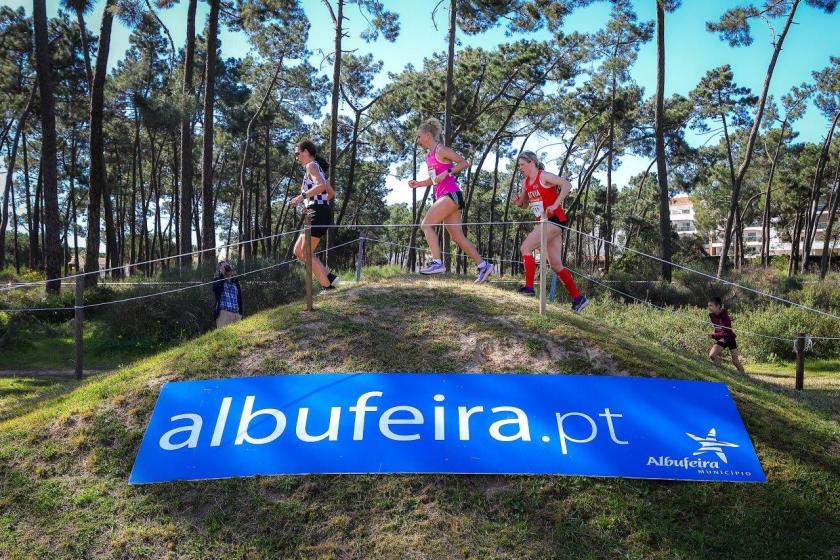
[448, 185]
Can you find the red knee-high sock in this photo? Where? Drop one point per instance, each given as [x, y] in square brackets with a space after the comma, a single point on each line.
[566, 277]
[530, 270]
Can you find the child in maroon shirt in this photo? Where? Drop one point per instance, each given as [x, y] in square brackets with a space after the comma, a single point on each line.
[724, 336]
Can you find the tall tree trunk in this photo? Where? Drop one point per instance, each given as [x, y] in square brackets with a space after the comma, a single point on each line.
[268, 193]
[142, 253]
[507, 204]
[111, 249]
[33, 239]
[15, 233]
[48, 148]
[230, 227]
[832, 217]
[37, 260]
[412, 250]
[282, 218]
[739, 241]
[630, 230]
[74, 217]
[730, 159]
[447, 112]
[10, 173]
[208, 212]
[351, 176]
[257, 230]
[187, 94]
[80, 20]
[244, 235]
[158, 233]
[608, 202]
[196, 218]
[64, 219]
[6, 128]
[794, 244]
[136, 175]
[338, 20]
[97, 160]
[492, 227]
[176, 196]
[119, 198]
[450, 70]
[759, 113]
[765, 216]
[661, 168]
[812, 212]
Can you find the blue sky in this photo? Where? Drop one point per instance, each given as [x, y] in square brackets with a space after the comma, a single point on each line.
[691, 50]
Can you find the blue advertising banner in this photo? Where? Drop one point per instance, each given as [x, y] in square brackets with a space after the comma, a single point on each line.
[446, 423]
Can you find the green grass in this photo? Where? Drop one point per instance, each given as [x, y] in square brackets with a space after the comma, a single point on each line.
[65, 461]
[828, 368]
[21, 394]
[54, 348]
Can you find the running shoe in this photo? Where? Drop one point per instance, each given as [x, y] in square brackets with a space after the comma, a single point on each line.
[334, 280]
[580, 303]
[527, 290]
[436, 267]
[484, 272]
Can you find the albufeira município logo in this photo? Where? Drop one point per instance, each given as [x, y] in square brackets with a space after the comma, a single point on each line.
[711, 444]
[708, 444]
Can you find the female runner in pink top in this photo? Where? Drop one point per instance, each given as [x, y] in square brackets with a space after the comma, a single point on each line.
[443, 163]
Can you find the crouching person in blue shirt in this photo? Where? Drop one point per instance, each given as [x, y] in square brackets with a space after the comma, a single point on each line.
[228, 296]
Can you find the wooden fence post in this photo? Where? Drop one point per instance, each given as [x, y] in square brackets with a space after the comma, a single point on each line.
[800, 361]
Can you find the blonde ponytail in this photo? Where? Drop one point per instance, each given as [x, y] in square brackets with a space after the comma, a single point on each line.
[433, 127]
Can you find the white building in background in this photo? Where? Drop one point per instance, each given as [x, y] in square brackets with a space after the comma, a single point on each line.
[683, 221]
[682, 215]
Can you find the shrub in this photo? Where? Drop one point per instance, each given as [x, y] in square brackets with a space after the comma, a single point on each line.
[187, 313]
[783, 321]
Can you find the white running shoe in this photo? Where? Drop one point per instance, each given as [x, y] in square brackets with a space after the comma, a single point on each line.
[484, 272]
[436, 267]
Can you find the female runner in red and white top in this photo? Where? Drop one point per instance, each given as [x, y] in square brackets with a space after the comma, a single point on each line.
[443, 164]
[545, 192]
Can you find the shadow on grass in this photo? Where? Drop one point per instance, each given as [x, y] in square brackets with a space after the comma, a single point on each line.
[20, 395]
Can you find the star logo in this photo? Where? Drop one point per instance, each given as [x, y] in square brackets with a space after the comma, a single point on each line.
[711, 444]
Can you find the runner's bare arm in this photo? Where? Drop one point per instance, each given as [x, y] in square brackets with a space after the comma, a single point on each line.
[445, 154]
[550, 179]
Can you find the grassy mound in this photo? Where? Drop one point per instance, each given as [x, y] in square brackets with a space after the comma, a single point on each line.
[65, 455]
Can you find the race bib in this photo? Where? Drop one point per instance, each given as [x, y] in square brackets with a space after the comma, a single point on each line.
[432, 173]
[537, 208]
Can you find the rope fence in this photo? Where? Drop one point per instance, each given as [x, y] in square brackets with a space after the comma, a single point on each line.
[489, 223]
[799, 343]
[189, 287]
[62, 279]
[615, 290]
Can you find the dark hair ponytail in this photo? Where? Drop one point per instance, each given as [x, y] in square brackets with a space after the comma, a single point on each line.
[325, 167]
[309, 146]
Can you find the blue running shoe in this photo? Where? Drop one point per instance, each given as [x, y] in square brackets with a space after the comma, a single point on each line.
[527, 291]
[436, 267]
[484, 272]
[580, 303]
